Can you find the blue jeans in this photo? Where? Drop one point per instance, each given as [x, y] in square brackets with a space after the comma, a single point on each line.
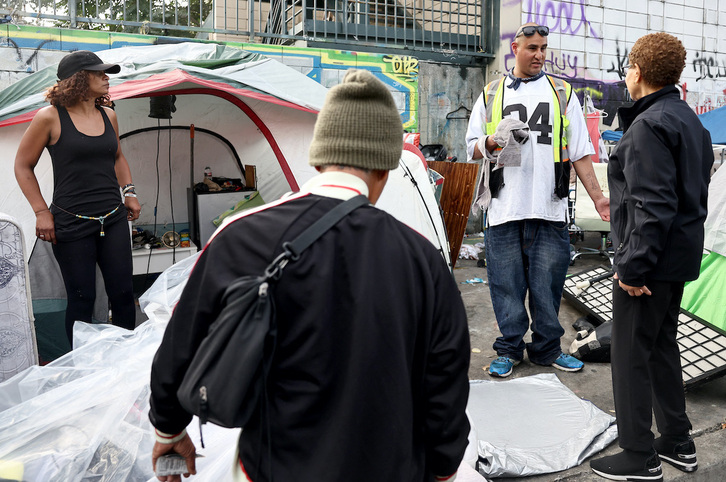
[528, 256]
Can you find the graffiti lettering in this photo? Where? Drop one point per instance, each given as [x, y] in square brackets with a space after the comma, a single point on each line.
[25, 64]
[407, 66]
[707, 104]
[606, 96]
[702, 102]
[560, 16]
[622, 60]
[558, 63]
[563, 64]
[589, 91]
[708, 67]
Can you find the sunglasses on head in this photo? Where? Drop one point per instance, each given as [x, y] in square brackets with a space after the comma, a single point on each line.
[529, 30]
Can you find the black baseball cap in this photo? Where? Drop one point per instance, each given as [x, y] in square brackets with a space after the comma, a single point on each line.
[83, 60]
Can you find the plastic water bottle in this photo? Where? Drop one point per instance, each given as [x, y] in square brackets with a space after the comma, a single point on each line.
[208, 173]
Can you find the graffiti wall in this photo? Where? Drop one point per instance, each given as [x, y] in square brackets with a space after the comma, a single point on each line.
[399, 73]
[589, 43]
[446, 94]
[26, 49]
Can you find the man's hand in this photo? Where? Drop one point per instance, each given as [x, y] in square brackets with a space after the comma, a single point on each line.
[184, 447]
[603, 208]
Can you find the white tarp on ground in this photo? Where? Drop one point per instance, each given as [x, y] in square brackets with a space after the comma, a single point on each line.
[534, 425]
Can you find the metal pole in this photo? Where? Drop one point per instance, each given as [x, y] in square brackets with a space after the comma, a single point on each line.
[72, 12]
[191, 156]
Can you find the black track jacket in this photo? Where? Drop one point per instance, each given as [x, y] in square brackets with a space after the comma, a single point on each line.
[370, 376]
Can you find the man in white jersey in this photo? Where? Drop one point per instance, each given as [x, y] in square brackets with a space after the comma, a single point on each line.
[527, 238]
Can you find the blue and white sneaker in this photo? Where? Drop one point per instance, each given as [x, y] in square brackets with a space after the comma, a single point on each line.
[568, 363]
[502, 366]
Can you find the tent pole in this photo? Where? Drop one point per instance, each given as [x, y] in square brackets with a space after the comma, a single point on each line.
[191, 156]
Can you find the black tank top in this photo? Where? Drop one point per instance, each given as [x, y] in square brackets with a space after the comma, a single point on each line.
[84, 179]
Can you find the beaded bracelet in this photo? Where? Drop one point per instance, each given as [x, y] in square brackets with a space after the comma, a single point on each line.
[129, 194]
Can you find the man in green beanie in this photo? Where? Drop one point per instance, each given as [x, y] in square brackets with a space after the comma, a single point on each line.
[369, 379]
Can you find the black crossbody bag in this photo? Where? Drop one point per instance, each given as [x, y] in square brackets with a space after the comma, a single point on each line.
[227, 376]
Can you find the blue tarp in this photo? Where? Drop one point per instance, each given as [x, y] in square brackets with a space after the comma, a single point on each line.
[614, 136]
[715, 122]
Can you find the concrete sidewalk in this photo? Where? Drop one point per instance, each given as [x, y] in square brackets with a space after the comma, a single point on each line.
[706, 403]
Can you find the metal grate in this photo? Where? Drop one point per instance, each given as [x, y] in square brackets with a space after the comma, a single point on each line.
[453, 30]
[703, 349]
[702, 345]
[595, 299]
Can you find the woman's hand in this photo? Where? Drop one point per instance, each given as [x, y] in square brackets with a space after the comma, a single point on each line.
[45, 226]
[133, 208]
[635, 290]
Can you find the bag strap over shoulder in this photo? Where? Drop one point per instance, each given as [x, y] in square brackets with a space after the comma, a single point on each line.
[293, 249]
[317, 229]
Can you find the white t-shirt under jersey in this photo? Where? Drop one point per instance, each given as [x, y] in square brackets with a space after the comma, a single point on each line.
[528, 191]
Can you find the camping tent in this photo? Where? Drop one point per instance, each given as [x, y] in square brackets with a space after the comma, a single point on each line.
[243, 105]
[706, 296]
[246, 110]
[715, 122]
[410, 185]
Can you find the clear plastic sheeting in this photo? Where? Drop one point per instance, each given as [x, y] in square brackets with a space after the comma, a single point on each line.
[534, 425]
[84, 417]
[158, 301]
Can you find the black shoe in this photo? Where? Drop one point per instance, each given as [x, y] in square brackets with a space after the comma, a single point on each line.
[681, 455]
[629, 465]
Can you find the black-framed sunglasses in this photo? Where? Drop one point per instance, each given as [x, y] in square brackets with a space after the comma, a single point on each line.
[530, 30]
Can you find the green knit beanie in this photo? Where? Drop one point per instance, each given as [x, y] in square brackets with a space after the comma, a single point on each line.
[358, 125]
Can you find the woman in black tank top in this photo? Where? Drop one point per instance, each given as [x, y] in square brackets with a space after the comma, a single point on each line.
[93, 195]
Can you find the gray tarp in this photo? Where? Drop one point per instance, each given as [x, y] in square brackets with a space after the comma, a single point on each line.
[534, 425]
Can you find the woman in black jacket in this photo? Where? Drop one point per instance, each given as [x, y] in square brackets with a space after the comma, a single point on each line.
[658, 178]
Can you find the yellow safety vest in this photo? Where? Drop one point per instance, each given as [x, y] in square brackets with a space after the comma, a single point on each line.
[561, 92]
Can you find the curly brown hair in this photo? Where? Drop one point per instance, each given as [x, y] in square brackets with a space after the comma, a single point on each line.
[72, 90]
[661, 58]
